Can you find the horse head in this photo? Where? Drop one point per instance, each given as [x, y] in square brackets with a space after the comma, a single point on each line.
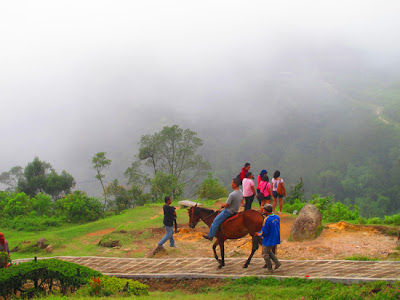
[193, 217]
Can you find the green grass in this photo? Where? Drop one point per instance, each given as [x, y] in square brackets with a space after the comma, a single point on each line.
[361, 257]
[263, 288]
[67, 240]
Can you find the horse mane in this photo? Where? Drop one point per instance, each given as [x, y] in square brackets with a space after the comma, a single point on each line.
[206, 210]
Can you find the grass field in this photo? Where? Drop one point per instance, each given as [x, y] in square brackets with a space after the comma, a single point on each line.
[80, 239]
[268, 288]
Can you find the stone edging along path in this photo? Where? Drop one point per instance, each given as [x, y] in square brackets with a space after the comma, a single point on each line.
[345, 271]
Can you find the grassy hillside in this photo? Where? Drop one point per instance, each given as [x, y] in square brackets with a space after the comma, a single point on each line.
[83, 239]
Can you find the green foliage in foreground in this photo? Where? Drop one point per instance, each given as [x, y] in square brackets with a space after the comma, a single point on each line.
[44, 274]
[107, 286]
[21, 212]
[271, 288]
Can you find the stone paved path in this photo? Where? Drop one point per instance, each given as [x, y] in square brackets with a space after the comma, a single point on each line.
[335, 270]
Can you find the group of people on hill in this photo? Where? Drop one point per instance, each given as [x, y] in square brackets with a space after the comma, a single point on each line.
[270, 231]
[264, 191]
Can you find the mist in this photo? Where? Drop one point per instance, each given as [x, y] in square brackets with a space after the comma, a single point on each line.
[80, 77]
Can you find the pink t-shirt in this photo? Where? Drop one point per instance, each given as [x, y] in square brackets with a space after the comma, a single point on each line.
[262, 186]
[247, 184]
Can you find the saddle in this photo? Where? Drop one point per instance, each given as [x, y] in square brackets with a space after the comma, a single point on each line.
[230, 218]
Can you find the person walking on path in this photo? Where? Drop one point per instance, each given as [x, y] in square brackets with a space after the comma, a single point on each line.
[244, 171]
[231, 207]
[271, 235]
[278, 191]
[169, 217]
[265, 191]
[260, 178]
[248, 190]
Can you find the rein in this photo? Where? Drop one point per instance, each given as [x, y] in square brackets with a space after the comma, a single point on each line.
[208, 215]
[211, 215]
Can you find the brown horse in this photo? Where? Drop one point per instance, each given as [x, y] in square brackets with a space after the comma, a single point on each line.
[247, 222]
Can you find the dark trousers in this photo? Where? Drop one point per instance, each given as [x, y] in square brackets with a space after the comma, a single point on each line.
[268, 255]
[249, 201]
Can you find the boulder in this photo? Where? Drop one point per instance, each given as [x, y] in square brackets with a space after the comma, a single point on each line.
[307, 224]
[49, 249]
[155, 250]
[41, 243]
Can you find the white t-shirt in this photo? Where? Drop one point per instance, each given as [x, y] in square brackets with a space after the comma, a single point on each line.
[275, 183]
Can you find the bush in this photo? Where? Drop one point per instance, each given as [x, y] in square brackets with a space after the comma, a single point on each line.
[79, 208]
[297, 205]
[114, 285]
[361, 220]
[33, 222]
[395, 220]
[375, 220]
[44, 274]
[296, 193]
[211, 188]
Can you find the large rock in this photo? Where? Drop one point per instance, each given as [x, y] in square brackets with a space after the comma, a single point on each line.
[41, 243]
[307, 224]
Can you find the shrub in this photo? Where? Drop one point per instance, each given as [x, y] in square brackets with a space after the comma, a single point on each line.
[297, 205]
[211, 188]
[375, 220]
[114, 285]
[395, 219]
[33, 222]
[361, 220]
[79, 208]
[44, 274]
[296, 193]
[5, 259]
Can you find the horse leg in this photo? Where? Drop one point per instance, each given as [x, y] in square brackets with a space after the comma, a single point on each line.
[255, 244]
[214, 249]
[222, 248]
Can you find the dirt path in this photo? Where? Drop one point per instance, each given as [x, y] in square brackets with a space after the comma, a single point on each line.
[337, 241]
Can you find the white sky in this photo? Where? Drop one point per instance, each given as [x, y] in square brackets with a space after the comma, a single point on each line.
[68, 68]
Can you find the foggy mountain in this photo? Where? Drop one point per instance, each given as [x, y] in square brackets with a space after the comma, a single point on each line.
[289, 86]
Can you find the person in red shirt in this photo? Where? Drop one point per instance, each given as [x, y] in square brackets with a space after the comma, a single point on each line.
[245, 169]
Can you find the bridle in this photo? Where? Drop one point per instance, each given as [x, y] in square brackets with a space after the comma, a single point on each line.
[210, 215]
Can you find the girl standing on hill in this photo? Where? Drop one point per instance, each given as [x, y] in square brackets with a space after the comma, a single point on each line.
[277, 185]
[259, 179]
[265, 189]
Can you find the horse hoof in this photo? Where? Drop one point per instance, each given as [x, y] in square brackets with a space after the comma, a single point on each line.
[220, 266]
[245, 266]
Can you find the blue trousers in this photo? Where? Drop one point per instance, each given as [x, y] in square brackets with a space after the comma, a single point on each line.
[223, 215]
[168, 236]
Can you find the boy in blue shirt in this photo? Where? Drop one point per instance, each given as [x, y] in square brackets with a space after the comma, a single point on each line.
[271, 234]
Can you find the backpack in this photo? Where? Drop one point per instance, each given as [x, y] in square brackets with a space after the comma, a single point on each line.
[239, 178]
[281, 189]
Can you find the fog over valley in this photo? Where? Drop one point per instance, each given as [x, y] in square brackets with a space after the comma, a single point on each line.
[296, 86]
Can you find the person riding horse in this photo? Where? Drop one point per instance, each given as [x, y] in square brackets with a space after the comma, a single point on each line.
[231, 207]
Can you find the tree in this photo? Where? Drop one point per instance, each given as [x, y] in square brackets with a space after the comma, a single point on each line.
[34, 179]
[100, 163]
[11, 177]
[172, 152]
[59, 185]
[40, 177]
[122, 199]
[164, 185]
[211, 188]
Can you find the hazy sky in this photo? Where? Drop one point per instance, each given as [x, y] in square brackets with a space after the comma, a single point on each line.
[76, 77]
